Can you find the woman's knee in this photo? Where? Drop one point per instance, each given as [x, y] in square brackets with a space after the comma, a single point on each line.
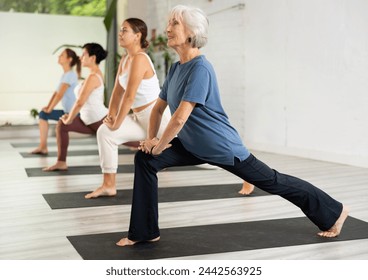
[142, 159]
[102, 132]
[147, 162]
[60, 127]
[43, 116]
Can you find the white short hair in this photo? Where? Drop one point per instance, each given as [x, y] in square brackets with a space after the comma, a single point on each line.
[195, 20]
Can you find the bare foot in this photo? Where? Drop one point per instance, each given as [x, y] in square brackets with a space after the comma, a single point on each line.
[335, 230]
[39, 151]
[59, 166]
[127, 242]
[102, 191]
[208, 166]
[246, 189]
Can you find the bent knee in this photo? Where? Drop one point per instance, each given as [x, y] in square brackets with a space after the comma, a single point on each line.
[43, 116]
[141, 158]
[102, 132]
[60, 126]
[147, 162]
[106, 136]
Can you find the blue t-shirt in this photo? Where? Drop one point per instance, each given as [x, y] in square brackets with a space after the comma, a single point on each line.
[207, 133]
[68, 99]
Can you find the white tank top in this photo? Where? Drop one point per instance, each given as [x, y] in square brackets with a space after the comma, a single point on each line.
[148, 90]
[94, 108]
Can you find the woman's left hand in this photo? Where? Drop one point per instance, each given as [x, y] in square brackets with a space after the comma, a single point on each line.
[108, 119]
[110, 124]
[147, 145]
[65, 119]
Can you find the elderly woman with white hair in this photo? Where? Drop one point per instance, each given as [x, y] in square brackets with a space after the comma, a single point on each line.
[200, 132]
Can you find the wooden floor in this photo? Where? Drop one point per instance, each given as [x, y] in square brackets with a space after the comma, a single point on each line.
[30, 230]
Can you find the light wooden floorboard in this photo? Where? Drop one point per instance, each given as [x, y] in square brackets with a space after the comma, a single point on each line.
[30, 230]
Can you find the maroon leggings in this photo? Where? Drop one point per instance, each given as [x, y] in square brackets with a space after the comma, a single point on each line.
[62, 134]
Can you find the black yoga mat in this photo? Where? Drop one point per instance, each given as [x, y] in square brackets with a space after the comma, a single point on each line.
[53, 144]
[95, 169]
[124, 197]
[212, 239]
[76, 153]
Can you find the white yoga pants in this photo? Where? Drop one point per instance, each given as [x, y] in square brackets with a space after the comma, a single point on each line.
[133, 128]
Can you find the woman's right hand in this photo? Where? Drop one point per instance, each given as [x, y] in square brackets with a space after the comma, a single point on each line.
[108, 119]
[65, 119]
[46, 110]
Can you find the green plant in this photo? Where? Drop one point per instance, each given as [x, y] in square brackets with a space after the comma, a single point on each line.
[110, 70]
[34, 113]
[65, 7]
[157, 45]
[66, 46]
[76, 7]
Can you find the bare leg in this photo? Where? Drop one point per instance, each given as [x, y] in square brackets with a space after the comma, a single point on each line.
[133, 145]
[247, 188]
[43, 126]
[108, 187]
[127, 242]
[58, 166]
[335, 230]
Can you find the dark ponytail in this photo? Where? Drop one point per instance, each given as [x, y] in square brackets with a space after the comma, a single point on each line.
[139, 26]
[144, 44]
[79, 67]
[75, 60]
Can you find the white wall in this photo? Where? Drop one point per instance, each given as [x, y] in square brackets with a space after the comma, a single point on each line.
[30, 72]
[293, 74]
[307, 78]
